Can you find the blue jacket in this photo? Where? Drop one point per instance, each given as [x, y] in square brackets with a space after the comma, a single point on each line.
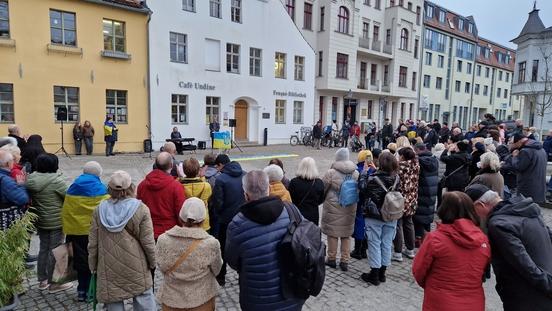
[10, 192]
[251, 249]
[228, 194]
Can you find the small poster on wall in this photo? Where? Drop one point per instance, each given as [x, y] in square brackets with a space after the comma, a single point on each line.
[225, 119]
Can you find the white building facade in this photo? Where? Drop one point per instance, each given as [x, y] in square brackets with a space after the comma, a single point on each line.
[367, 65]
[228, 59]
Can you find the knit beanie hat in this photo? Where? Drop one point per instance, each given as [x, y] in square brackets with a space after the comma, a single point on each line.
[93, 168]
[342, 155]
[363, 155]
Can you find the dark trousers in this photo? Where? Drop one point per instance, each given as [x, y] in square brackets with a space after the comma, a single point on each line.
[222, 240]
[212, 140]
[421, 229]
[49, 239]
[89, 144]
[344, 142]
[80, 260]
[78, 147]
[109, 147]
[405, 234]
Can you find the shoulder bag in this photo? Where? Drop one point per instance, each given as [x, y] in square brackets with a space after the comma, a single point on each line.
[184, 255]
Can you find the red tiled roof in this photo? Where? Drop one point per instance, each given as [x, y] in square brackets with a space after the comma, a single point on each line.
[493, 59]
[130, 3]
[450, 24]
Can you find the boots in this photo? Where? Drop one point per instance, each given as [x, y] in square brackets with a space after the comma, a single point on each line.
[372, 277]
[364, 248]
[357, 251]
[381, 275]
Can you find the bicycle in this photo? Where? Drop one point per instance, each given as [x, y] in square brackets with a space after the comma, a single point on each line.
[303, 136]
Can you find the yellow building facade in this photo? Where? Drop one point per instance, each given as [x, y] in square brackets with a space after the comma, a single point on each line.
[89, 56]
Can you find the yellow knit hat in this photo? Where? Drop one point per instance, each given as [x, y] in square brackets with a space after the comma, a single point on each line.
[363, 155]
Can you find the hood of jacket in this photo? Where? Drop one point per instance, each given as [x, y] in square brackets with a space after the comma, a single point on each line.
[516, 206]
[114, 215]
[157, 180]
[345, 167]
[210, 171]
[428, 162]
[263, 211]
[87, 185]
[233, 169]
[184, 232]
[532, 144]
[37, 182]
[464, 233]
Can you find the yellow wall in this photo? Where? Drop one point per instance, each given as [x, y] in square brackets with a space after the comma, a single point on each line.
[42, 69]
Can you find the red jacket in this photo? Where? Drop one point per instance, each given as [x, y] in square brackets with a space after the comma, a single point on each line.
[450, 266]
[164, 197]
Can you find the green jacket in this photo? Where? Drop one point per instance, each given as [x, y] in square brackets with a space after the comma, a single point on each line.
[47, 191]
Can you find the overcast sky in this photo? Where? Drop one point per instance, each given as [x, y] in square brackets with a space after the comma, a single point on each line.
[499, 20]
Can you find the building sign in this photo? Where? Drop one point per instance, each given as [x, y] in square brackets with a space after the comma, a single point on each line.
[195, 85]
[289, 94]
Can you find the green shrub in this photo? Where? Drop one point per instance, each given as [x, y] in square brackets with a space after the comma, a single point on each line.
[14, 245]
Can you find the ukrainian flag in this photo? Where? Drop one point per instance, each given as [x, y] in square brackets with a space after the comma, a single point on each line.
[82, 198]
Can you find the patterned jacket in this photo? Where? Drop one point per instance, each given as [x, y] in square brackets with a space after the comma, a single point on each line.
[409, 172]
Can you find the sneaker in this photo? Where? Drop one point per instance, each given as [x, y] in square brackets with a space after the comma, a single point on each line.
[43, 285]
[397, 257]
[409, 253]
[81, 296]
[344, 266]
[331, 263]
[55, 288]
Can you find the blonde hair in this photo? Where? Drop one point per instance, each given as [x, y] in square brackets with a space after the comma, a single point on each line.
[307, 169]
[402, 141]
[13, 150]
[490, 160]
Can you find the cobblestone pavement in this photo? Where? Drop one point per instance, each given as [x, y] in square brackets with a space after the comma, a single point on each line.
[342, 290]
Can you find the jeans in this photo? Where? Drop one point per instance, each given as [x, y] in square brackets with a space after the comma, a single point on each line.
[142, 302]
[222, 240]
[344, 142]
[317, 143]
[345, 248]
[380, 241]
[49, 239]
[78, 147]
[89, 144]
[80, 260]
[405, 234]
[109, 148]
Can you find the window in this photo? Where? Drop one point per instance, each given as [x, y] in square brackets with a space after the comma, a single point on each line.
[299, 68]
[440, 61]
[280, 65]
[416, 44]
[521, 67]
[507, 77]
[178, 47]
[498, 92]
[476, 89]
[114, 36]
[236, 11]
[500, 75]
[212, 55]
[461, 24]
[414, 80]
[377, 5]
[307, 19]
[375, 33]
[470, 28]
[505, 93]
[179, 109]
[343, 17]
[214, 8]
[403, 72]
[365, 30]
[439, 83]
[535, 71]
[280, 113]
[6, 102]
[188, 5]
[385, 75]
[464, 49]
[334, 108]
[4, 19]
[487, 72]
[428, 58]
[116, 105]
[404, 39]
[320, 62]
[388, 36]
[367, 2]
[435, 41]
[429, 12]
[290, 7]
[459, 66]
[418, 15]
[297, 112]
[442, 15]
[232, 58]
[212, 109]
[255, 61]
[469, 68]
[322, 17]
[479, 70]
[457, 86]
[409, 6]
[373, 74]
[467, 88]
[485, 90]
[67, 97]
[63, 28]
[427, 81]
[342, 64]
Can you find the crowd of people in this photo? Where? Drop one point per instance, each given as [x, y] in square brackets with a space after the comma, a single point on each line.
[190, 220]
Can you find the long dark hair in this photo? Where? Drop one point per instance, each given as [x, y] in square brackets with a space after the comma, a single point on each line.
[32, 150]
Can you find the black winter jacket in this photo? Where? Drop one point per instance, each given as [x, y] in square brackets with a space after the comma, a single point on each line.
[373, 192]
[427, 187]
[317, 132]
[530, 166]
[521, 255]
[453, 161]
[307, 195]
[228, 194]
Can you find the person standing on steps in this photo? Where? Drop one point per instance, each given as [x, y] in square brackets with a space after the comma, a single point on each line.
[88, 134]
[78, 137]
[110, 136]
[214, 126]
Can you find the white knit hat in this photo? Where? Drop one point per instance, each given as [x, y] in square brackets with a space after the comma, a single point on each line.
[342, 155]
[193, 209]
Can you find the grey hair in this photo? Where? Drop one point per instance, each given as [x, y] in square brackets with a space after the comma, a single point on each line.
[256, 185]
[13, 149]
[490, 160]
[13, 129]
[5, 158]
[274, 172]
[489, 197]
[307, 169]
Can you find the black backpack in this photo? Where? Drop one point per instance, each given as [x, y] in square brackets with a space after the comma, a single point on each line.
[301, 254]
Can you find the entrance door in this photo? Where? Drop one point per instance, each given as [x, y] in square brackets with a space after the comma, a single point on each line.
[240, 114]
[349, 110]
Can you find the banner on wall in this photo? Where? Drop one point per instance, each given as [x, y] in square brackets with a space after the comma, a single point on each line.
[222, 140]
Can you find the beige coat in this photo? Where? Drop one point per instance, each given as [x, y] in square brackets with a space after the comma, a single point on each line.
[193, 282]
[122, 260]
[337, 221]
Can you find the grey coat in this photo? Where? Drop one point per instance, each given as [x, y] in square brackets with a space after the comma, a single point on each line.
[337, 221]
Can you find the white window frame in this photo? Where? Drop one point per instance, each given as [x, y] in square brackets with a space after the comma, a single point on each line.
[180, 103]
[233, 58]
[180, 41]
[255, 62]
[65, 29]
[73, 108]
[118, 111]
[280, 111]
[298, 108]
[212, 103]
[215, 8]
[113, 36]
[299, 73]
[188, 5]
[236, 11]
[280, 65]
[7, 19]
[6, 103]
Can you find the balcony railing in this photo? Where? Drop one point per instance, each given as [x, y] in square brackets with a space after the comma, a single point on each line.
[364, 42]
[388, 49]
[386, 88]
[376, 45]
[375, 85]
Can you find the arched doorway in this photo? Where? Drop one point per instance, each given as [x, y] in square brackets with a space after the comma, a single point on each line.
[240, 114]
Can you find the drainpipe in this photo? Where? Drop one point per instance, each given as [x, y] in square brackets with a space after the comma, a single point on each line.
[148, 73]
[474, 68]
